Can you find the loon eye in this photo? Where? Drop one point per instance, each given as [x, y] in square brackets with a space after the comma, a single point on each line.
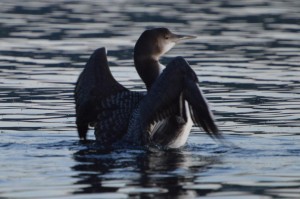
[167, 36]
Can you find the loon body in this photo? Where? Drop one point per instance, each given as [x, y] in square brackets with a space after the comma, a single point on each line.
[162, 116]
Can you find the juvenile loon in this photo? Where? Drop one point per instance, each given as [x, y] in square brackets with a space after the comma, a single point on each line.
[162, 116]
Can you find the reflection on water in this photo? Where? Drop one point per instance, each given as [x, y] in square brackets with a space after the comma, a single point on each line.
[139, 172]
[246, 58]
[196, 170]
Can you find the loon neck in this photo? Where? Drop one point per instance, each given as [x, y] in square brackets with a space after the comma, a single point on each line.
[148, 68]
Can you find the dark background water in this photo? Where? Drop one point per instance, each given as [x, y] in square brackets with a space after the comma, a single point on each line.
[247, 59]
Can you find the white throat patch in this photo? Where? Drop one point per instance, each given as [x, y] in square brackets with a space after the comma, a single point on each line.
[168, 47]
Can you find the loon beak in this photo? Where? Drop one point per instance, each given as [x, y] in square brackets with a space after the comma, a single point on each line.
[178, 38]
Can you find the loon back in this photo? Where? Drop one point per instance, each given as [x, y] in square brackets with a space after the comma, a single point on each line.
[114, 114]
[94, 84]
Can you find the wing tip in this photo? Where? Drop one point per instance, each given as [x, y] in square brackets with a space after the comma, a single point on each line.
[99, 53]
[101, 50]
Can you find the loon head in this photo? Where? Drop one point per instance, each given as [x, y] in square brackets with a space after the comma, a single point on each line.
[156, 42]
[151, 45]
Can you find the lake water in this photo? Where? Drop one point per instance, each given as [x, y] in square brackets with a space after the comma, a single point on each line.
[247, 59]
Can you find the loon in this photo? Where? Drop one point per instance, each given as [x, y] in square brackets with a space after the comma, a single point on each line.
[162, 116]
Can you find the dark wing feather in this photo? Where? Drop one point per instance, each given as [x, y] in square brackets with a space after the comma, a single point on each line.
[94, 83]
[199, 108]
[162, 99]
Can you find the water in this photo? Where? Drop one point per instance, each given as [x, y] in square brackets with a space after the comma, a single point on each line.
[247, 60]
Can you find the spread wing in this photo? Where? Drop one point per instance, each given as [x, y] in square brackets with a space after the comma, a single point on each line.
[94, 84]
[176, 85]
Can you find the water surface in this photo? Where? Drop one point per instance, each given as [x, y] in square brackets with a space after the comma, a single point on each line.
[246, 58]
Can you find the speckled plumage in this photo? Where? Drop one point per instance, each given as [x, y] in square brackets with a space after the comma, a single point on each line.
[113, 118]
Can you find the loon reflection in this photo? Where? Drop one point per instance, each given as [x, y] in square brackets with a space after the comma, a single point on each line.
[162, 116]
